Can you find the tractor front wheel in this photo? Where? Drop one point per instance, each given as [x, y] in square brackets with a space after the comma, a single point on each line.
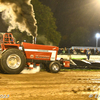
[12, 61]
[54, 67]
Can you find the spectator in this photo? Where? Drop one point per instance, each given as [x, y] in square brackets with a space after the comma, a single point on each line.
[66, 51]
[92, 51]
[85, 51]
[71, 51]
[74, 51]
[63, 51]
[97, 52]
[88, 53]
[60, 50]
[81, 51]
[78, 51]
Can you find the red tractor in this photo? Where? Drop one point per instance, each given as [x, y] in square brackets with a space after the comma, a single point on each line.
[15, 57]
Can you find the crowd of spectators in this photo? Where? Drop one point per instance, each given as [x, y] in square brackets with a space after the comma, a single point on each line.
[78, 51]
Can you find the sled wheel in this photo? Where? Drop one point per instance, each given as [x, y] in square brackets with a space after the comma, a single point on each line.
[54, 67]
[13, 61]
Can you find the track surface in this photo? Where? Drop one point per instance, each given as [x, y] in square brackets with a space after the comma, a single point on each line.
[73, 85]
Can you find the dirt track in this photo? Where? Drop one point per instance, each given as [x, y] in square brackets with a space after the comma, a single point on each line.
[48, 86]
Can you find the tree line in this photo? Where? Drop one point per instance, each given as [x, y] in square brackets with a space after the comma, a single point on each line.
[47, 29]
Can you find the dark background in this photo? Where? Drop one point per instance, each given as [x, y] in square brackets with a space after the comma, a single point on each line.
[71, 14]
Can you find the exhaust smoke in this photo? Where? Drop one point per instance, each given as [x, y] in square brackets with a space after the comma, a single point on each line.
[34, 68]
[30, 71]
[19, 14]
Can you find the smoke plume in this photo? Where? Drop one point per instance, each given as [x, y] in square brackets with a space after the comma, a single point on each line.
[19, 14]
[31, 71]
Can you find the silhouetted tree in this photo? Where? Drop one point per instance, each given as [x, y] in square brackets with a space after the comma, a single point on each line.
[46, 22]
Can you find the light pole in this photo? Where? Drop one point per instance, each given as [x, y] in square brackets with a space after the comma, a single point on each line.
[97, 36]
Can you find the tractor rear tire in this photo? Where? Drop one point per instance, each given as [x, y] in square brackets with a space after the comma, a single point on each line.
[1, 70]
[54, 67]
[13, 61]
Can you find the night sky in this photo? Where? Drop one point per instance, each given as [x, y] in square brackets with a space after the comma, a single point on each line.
[71, 14]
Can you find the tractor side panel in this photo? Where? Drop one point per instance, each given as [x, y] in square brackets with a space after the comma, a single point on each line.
[40, 52]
